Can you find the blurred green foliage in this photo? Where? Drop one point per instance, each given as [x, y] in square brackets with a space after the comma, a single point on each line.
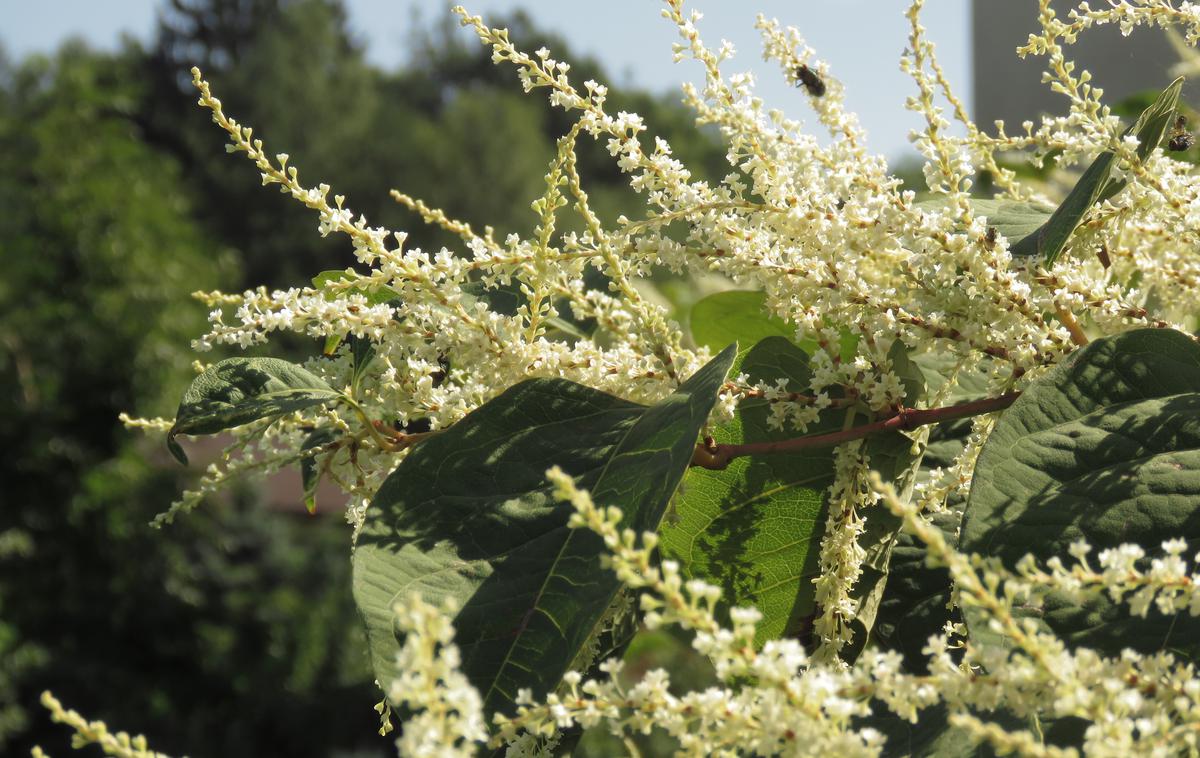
[231, 632]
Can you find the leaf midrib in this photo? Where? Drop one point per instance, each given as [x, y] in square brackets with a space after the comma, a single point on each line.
[765, 494]
[493, 687]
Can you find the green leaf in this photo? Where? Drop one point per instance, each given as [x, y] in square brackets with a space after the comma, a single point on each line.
[377, 296]
[1152, 126]
[310, 475]
[237, 391]
[915, 604]
[1131, 106]
[332, 342]
[564, 327]
[469, 515]
[971, 382]
[175, 449]
[1096, 183]
[933, 736]
[740, 316]
[1049, 240]
[502, 300]
[892, 456]
[374, 296]
[1106, 447]
[362, 352]
[506, 300]
[909, 373]
[754, 529]
[1013, 219]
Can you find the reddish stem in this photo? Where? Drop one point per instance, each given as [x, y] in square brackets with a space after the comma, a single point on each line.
[717, 457]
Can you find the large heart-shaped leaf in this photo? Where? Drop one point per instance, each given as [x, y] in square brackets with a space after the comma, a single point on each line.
[237, 391]
[1106, 448]
[754, 529]
[469, 515]
[1096, 184]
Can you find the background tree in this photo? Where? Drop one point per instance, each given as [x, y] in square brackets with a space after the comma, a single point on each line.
[231, 632]
[101, 251]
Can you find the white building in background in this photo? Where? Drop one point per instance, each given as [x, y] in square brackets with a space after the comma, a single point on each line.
[1009, 88]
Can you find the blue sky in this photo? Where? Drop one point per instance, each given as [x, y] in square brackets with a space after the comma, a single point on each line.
[862, 39]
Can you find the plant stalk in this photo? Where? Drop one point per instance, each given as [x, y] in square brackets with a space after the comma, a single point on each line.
[718, 456]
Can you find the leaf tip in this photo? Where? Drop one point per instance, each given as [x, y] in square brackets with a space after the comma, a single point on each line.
[175, 448]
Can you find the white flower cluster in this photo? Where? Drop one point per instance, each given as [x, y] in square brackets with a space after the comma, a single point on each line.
[790, 709]
[1133, 704]
[1167, 585]
[840, 250]
[446, 711]
[821, 228]
[778, 701]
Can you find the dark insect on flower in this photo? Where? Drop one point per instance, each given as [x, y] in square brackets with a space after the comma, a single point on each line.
[439, 376]
[1181, 142]
[1181, 138]
[416, 426]
[990, 238]
[810, 80]
[1102, 254]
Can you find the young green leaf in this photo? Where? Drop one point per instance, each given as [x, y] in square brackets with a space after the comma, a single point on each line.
[1014, 219]
[735, 316]
[331, 344]
[1106, 448]
[310, 474]
[469, 515]
[362, 352]
[740, 316]
[237, 391]
[1096, 183]
[754, 529]
[374, 296]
